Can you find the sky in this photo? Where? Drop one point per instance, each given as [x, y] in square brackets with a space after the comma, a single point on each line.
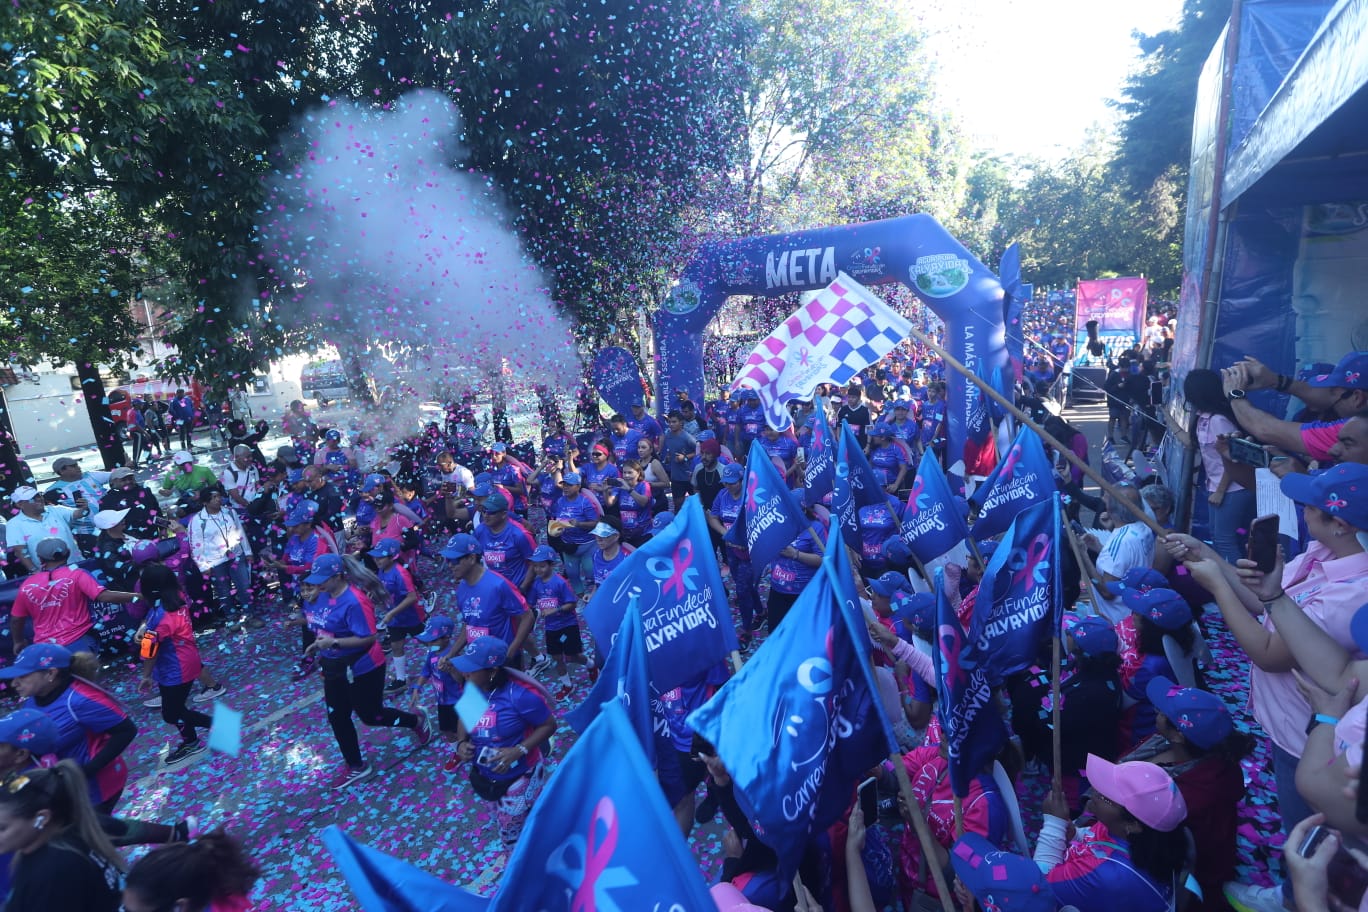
[1032, 77]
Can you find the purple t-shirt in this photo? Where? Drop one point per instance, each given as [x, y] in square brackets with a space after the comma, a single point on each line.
[490, 607]
[507, 552]
[547, 596]
[514, 710]
[581, 509]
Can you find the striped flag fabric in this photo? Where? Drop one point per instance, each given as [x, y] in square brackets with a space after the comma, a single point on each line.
[842, 330]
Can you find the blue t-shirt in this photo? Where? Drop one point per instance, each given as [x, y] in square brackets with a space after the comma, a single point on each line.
[593, 475]
[507, 552]
[398, 583]
[514, 710]
[581, 509]
[790, 575]
[604, 566]
[507, 474]
[635, 517]
[547, 596]
[625, 445]
[447, 688]
[646, 426]
[348, 615]
[490, 607]
[886, 460]
[783, 447]
[750, 420]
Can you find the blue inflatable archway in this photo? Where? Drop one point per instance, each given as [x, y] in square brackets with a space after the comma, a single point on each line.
[913, 249]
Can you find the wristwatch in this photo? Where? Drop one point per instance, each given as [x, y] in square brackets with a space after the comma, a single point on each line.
[1320, 719]
[1235, 394]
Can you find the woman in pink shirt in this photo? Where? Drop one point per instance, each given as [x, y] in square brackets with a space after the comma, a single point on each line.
[1327, 583]
[1230, 485]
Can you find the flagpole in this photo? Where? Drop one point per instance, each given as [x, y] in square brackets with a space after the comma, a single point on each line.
[1025, 419]
[924, 837]
[1085, 568]
[736, 660]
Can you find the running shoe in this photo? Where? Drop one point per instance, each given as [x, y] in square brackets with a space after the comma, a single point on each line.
[394, 686]
[182, 755]
[1249, 898]
[423, 730]
[453, 763]
[348, 777]
[542, 663]
[210, 694]
[564, 691]
[153, 702]
[306, 667]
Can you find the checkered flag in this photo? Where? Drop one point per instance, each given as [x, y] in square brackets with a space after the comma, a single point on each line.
[830, 339]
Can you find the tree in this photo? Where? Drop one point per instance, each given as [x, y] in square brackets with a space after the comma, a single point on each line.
[1159, 98]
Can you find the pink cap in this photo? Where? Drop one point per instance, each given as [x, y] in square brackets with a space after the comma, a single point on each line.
[1141, 788]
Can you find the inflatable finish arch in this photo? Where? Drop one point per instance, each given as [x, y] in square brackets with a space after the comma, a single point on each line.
[913, 249]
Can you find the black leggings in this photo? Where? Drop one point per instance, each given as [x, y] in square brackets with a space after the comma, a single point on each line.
[778, 606]
[364, 696]
[175, 712]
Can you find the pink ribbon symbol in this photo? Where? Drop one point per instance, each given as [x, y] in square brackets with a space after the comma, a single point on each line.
[753, 490]
[1035, 561]
[683, 573]
[597, 856]
[1008, 464]
[803, 357]
[917, 496]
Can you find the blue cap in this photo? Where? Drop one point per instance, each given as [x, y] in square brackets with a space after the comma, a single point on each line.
[293, 475]
[385, 547]
[917, 610]
[324, 568]
[30, 730]
[896, 550]
[1003, 881]
[365, 512]
[302, 512]
[1143, 579]
[889, 583]
[1340, 491]
[1350, 373]
[495, 503]
[37, 657]
[732, 472]
[660, 521]
[902, 404]
[572, 478]
[1202, 718]
[482, 652]
[437, 627]
[499, 448]
[460, 545]
[1094, 636]
[482, 489]
[1164, 607]
[881, 429]
[484, 478]
[543, 554]
[372, 482]
[706, 435]
[332, 434]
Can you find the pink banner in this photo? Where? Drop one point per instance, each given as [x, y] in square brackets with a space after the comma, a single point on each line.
[1118, 305]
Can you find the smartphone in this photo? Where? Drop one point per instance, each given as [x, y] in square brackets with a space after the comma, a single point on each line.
[1312, 841]
[1248, 452]
[869, 800]
[1077, 528]
[1263, 542]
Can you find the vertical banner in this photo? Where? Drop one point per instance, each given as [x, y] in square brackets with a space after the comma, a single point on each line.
[1118, 306]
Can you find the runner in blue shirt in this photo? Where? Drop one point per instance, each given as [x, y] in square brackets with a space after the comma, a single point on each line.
[506, 542]
[644, 424]
[554, 601]
[624, 438]
[780, 445]
[489, 604]
[726, 507]
[572, 517]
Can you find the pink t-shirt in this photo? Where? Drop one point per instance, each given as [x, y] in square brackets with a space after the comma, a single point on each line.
[1330, 591]
[59, 603]
[1209, 428]
[1349, 733]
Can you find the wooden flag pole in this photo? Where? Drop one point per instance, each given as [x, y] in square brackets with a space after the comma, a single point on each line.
[1058, 779]
[918, 821]
[1025, 419]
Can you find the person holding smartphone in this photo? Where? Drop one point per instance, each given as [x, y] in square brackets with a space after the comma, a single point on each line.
[1327, 585]
[1230, 485]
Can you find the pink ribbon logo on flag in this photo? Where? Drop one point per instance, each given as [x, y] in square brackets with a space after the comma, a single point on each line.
[1031, 563]
[678, 573]
[917, 497]
[754, 493]
[596, 856]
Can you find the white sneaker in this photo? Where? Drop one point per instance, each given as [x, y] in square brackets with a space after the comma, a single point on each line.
[1249, 898]
[209, 695]
[153, 702]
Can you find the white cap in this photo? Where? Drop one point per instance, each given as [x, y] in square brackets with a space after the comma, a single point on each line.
[20, 495]
[108, 519]
[603, 530]
[181, 457]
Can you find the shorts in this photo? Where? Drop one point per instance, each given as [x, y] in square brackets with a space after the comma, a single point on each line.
[564, 642]
[447, 720]
[680, 774]
[404, 630]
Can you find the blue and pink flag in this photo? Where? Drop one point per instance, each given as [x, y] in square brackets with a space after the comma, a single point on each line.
[772, 517]
[685, 619]
[932, 523]
[819, 472]
[840, 331]
[383, 883]
[971, 726]
[855, 486]
[1020, 599]
[801, 722]
[1022, 478]
[623, 679]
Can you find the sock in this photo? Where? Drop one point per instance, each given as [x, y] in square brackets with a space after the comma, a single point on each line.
[397, 664]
